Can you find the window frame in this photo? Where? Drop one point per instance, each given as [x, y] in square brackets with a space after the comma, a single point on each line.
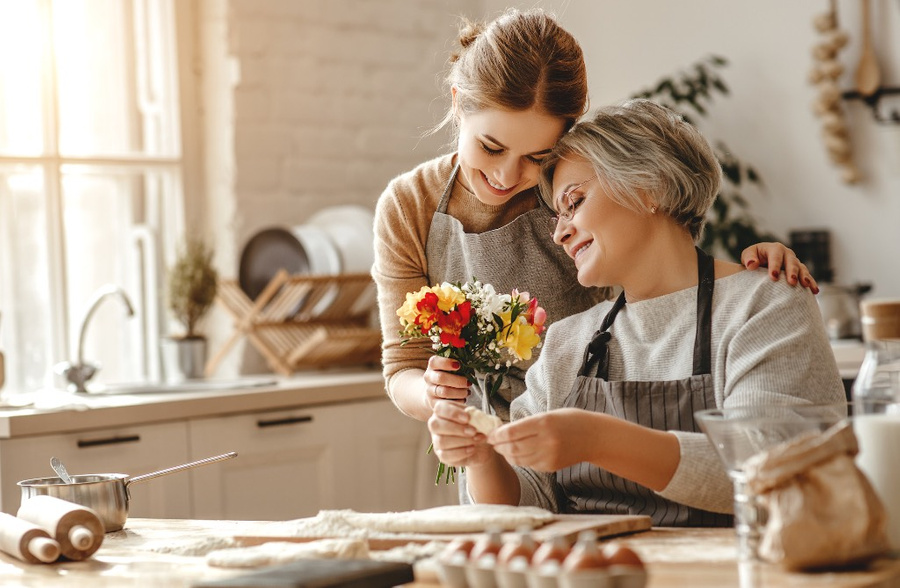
[175, 214]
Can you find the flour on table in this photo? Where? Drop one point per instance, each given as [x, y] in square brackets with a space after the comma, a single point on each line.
[411, 552]
[191, 547]
[279, 552]
[483, 422]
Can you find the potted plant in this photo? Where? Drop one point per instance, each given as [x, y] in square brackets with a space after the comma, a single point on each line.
[191, 290]
[730, 227]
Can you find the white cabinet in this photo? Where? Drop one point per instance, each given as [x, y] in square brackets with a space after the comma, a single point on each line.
[360, 453]
[293, 463]
[127, 450]
[286, 466]
[392, 470]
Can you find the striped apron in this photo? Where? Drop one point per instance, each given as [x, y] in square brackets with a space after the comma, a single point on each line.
[663, 405]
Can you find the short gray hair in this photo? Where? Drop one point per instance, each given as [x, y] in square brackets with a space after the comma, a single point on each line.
[642, 150]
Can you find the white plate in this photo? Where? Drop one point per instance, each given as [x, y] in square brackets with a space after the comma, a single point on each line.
[351, 229]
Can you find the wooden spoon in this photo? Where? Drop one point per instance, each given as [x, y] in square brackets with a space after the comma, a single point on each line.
[868, 77]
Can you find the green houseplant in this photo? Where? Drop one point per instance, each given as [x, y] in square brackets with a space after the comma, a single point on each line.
[730, 227]
[192, 283]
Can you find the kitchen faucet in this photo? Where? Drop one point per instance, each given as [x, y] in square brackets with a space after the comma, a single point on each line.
[77, 374]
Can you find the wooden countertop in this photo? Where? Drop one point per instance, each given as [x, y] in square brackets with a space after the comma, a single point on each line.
[698, 558]
[93, 411]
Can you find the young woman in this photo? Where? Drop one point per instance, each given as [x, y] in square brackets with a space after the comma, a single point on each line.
[607, 421]
[516, 85]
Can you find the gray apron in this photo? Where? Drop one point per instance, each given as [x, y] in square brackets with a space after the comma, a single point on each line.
[519, 255]
[663, 405]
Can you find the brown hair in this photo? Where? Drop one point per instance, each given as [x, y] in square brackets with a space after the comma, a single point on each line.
[520, 60]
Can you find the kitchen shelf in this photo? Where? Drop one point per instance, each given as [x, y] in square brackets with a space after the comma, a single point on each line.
[302, 321]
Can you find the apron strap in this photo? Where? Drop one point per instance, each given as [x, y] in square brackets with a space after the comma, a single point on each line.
[445, 197]
[595, 362]
[703, 338]
[596, 356]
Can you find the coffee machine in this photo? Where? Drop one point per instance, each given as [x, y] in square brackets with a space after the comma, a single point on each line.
[838, 303]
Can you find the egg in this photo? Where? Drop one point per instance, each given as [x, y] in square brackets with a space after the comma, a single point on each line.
[585, 558]
[486, 547]
[514, 552]
[554, 550]
[586, 554]
[457, 551]
[620, 555]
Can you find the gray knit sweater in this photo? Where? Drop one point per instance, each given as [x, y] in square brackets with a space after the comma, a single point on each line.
[768, 343]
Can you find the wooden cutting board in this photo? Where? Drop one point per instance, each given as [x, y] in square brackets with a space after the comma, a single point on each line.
[567, 525]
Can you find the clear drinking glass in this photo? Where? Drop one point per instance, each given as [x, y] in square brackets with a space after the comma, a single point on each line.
[739, 433]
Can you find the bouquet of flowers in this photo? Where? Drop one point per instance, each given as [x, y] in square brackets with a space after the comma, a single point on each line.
[486, 332]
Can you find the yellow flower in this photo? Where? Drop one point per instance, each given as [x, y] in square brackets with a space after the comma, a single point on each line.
[408, 312]
[521, 339]
[449, 296]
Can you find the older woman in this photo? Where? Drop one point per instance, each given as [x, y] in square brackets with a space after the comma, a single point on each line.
[606, 422]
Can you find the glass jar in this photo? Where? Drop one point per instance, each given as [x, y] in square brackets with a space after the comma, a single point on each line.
[876, 406]
[879, 375]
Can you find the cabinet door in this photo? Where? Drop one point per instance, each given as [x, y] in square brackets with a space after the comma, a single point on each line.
[366, 456]
[128, 450]
[393, 470]
[286, 466]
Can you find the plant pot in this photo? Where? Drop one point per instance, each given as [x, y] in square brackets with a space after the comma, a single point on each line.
[182, 359]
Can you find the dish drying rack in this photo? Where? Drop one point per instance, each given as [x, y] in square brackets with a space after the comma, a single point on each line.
[294, 326]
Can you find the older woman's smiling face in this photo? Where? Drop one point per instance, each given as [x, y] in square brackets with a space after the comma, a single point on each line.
[602, 236]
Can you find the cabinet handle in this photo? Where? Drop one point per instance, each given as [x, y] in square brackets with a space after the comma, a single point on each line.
[108, 441]
[284, 421]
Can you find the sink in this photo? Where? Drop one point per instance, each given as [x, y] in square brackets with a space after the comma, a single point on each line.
[200, 385]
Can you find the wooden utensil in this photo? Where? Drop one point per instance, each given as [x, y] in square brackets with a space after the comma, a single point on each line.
[77, 529]
[26, 541]
[868, 76]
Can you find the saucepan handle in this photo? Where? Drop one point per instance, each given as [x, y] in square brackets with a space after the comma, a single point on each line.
[179, 468]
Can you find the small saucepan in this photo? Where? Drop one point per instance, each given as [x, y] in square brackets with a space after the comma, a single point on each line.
[107, 494]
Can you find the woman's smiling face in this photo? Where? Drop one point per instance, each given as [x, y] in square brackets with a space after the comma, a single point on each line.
[500, 151]
[603, 237]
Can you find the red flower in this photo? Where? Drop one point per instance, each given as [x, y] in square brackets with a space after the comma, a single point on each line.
[536, 316]
[429, 313]
[452, 324]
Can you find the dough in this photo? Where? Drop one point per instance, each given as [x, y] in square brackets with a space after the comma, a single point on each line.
[279, 552]
[457, 518]
[483, 422]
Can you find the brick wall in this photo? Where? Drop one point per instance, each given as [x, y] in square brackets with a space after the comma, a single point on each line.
[314, 103]
[332, 99]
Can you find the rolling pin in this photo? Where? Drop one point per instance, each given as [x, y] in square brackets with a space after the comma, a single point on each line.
[26, 541]
[77, 528]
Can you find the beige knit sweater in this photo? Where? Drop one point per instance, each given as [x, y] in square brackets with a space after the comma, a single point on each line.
[402, 220]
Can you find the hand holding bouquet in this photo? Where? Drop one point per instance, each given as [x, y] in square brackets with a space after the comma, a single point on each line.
[486, 332]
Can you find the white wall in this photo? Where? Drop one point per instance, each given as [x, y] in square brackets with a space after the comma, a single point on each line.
[768, 120]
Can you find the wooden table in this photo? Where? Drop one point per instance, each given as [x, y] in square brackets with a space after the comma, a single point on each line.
[696, 558]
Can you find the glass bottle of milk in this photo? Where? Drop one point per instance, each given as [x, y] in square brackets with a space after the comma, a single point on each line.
[876, 406]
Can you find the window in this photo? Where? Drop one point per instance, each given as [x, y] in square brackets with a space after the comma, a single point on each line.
[90, 182]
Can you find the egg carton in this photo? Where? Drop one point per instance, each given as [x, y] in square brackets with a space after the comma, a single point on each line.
[487, 574]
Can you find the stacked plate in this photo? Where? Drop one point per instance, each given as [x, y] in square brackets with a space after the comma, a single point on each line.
[350, 229]
[334, 240]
